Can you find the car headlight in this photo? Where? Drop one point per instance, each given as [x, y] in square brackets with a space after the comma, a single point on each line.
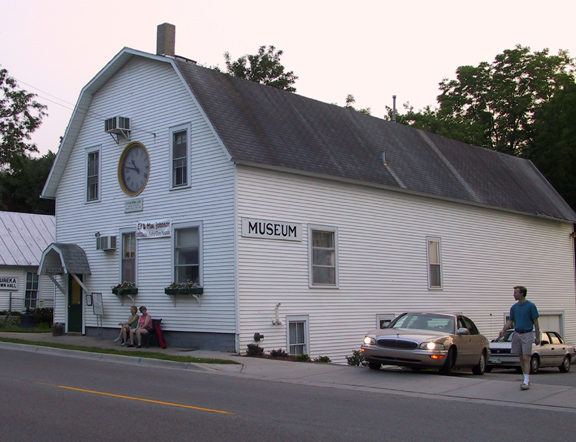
[431, 346]
[368, 340]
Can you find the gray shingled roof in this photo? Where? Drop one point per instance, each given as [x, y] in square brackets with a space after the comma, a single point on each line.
[267, 127]
[23, 237]
[71, 257]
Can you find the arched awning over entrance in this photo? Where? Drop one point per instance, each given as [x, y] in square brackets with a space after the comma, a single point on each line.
[62, 258]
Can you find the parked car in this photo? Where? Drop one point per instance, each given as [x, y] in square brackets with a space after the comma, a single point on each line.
[552, 352]
[428, 340]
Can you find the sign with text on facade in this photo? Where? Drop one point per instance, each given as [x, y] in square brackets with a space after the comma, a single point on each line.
[259, 228]
[154, 229]
[8, 283]
[134, 205]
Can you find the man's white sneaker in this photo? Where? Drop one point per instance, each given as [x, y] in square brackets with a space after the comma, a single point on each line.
[524, 386]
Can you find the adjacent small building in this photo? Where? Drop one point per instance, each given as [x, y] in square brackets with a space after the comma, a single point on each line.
[23, 238]
[294, 222]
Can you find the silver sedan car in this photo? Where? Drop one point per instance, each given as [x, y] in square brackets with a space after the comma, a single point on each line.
[428, 340]
[552, 352]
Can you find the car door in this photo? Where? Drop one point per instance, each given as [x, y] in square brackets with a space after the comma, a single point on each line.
[475, 341]
[557, 348]
[546, 351]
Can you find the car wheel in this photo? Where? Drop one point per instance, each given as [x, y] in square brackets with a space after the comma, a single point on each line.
[374, 365]
[481, 367]
[449, 363]
[565, 367]
[488, 369]
[534, 364]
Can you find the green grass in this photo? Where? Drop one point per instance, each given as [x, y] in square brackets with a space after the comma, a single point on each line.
[110, 351]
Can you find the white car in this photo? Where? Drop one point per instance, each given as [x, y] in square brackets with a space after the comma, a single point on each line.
[552, 352]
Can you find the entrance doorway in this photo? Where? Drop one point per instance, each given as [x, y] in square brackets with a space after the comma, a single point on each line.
[74, 305]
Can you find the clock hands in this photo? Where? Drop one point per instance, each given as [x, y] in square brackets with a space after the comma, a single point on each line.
[135, 167]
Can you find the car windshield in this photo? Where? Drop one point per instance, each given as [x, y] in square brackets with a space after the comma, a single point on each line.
[506, 337]
[425, 321]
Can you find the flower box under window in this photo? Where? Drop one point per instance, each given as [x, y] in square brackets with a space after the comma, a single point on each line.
[184, 291]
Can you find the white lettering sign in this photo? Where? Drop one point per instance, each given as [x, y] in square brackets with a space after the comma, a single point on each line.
[154, 229]
[8, 283]
[258, 228]
[135, 205]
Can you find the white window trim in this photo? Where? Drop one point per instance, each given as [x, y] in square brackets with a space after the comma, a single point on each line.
[86, 161]
[121, 247]
[299, 318]
[173, 130]
[311, 283]
[439, 240]
[190, 225]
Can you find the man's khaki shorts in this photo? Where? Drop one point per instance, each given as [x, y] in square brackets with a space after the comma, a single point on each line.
[522, 343]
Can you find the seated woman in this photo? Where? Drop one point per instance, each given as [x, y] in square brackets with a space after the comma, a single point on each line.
[144, 327]
[127, 326]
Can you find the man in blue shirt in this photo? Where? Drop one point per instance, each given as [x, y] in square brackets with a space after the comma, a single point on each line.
[524, 318]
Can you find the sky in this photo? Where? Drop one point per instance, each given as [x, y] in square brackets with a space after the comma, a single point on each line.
[370, 49]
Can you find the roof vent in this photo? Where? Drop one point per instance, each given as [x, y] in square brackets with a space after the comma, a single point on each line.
[118, 127]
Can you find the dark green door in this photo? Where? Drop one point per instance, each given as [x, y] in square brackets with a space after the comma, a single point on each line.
[74, 305]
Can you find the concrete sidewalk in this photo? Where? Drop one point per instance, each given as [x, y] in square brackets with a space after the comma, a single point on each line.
[459, 387]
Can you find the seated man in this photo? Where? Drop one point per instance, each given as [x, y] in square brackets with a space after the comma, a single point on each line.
[144, 327]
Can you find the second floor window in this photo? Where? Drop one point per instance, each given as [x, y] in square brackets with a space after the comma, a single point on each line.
[179, 158]
[93, 176]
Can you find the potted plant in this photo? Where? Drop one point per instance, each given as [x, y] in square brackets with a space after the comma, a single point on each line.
[184, 288]
[57, 329]
[126, 288]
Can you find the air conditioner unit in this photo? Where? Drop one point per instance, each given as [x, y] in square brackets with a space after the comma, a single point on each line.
[118, 126]
[106, 243]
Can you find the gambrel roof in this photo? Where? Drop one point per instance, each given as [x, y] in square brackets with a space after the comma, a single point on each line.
[265, 127]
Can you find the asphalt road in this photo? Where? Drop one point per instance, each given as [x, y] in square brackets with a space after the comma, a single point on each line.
[55, 398]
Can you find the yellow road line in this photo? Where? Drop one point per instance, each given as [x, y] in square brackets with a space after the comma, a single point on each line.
[136, 398]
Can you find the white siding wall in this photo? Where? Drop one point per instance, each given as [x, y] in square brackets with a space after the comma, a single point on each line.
[154, 98]
[383, 265]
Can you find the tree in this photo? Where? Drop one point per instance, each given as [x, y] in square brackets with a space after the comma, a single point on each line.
[20, 116]
[263, 67]
[522, 104]
[553, 149]
[350, 100]
[493, 104]
[20, 189]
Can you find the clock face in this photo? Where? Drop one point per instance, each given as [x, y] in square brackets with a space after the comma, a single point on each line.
[133, 169]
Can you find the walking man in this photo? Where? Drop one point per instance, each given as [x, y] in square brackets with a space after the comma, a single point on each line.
[524, 319]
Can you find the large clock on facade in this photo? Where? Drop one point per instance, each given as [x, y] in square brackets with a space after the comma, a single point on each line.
[133, 169]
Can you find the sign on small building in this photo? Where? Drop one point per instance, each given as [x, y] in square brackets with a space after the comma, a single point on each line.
[8, 283]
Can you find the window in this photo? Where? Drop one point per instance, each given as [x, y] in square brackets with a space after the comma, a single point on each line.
[323, 257]
[93, 176]
[297, 335]
[31, 296]
[434, 263]
[187, 255]
[179, 155]
[128, 271]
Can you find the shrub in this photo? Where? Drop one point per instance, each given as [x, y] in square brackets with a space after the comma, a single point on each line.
[278, 353]
[254, 350]
[357, 359]
[324, 359]
[302, 358]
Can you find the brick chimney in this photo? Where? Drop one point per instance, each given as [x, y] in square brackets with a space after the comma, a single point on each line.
[166, 40]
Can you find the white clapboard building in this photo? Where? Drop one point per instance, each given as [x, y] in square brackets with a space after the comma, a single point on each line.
[298, 220]
[23, 238]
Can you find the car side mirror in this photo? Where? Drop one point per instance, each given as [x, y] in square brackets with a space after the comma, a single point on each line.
[463, 331]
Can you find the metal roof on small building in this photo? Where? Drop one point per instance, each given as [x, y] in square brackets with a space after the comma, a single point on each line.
[24, 236]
